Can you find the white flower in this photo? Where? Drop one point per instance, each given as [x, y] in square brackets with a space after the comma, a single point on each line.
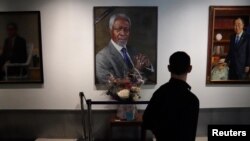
[140, 81]
[124, 93]
[135, 89]
[136, 97]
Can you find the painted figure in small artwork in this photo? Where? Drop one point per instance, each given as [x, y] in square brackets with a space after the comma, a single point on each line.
[238, 58]
[118, 58]
[220, 71]
[14, 49]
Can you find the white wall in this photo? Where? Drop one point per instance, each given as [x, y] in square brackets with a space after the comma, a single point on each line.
[68, 52]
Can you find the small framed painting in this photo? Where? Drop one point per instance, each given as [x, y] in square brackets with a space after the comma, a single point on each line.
[20, 47]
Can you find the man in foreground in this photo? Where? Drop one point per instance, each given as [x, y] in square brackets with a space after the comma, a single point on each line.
[172, 112]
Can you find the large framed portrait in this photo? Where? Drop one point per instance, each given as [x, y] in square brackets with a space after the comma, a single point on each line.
[125, 43]
[228, 45]
[20, 47]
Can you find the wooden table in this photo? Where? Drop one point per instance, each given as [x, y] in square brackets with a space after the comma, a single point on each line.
[114, 122]
[137, 122]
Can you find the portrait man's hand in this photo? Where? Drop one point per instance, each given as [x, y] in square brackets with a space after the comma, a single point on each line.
[141, 62]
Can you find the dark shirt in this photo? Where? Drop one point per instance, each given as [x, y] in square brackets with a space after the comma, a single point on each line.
[172, 112]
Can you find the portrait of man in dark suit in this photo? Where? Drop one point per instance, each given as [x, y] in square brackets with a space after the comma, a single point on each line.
[238, 57]
[118, 57]
[20, 47]
[14, 49]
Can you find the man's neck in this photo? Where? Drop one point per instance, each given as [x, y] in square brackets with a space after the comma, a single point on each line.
[182, 77]
[239, 34]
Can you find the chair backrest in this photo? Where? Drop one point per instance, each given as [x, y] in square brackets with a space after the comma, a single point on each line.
[29, 48]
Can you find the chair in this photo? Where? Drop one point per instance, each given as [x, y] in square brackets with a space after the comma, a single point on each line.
[23, 66]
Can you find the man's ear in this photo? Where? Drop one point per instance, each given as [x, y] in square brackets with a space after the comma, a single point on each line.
[169, 68]
[190, 68]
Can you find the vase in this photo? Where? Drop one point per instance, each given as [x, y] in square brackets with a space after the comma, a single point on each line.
[126, 112]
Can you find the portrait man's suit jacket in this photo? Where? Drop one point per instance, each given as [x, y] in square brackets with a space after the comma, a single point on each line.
[110, 61]
[18, 53]
[239, 56]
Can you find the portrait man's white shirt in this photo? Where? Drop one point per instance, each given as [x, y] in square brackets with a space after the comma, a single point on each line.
[119, 48]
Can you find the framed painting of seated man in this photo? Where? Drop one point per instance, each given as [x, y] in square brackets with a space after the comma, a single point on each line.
[20, 47]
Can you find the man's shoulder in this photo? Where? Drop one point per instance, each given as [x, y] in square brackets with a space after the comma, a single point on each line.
[108, 48]
[163, 87]
[247, 35]
[168, 87]
[105, 51]
[183, 91]
[192, 99]
[162, 90]
[194, 96]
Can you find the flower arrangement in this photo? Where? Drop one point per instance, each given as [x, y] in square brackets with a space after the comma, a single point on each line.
[127, 88]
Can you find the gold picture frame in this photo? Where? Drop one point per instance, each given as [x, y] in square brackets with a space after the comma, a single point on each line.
[226, 63]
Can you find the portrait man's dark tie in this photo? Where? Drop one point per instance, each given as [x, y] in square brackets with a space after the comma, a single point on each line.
[126, 58]
[237, 39]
